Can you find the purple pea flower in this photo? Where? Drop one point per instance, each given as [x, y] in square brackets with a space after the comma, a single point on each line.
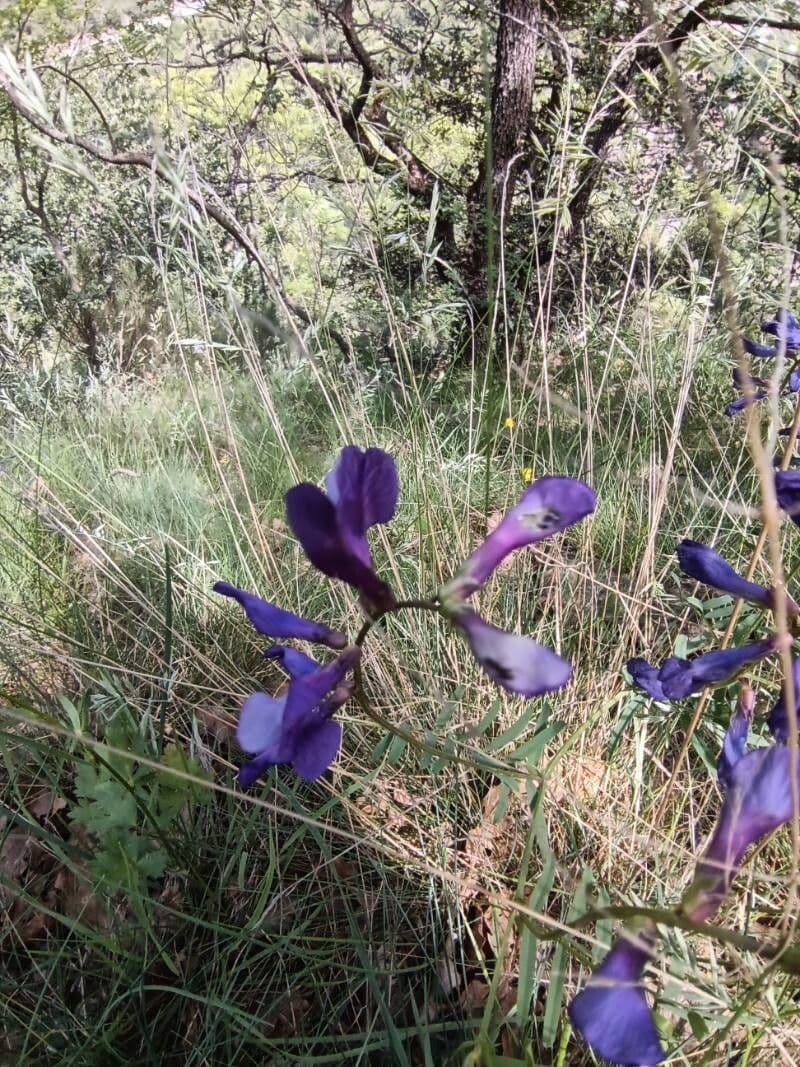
[518, 664]
[787, 490]
[547, 507]
[743, 402]
[778, 720]
[702, 563]
[296, 727]
[272, 621]
[785, 327]
[678, 678]
[361, 490]
[612, 1014]
[758, 799]
[755, 348]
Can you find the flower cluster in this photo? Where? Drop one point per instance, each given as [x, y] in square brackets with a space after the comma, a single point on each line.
[612, 1013]
[361, 491]
[785, 329]
[678, 678]
[759, 788]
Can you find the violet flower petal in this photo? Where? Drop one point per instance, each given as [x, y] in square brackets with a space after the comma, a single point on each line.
[548, 506]
[677, 678]
[645, 676]
[743, 402]
[294, 728]
[705, 565]
[778, 720]
[261, 726]
[295, 663]
[363, 487]
[754, 348]
[758, 799]
[680, 678]
[518, 664]
[316, 749]
[272, 621]
[784, 325]
[316, 525]
[734, 746]
[787, 490]
[612, 1014]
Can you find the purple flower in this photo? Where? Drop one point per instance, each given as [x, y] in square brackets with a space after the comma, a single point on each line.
[787, 490]
[755, 348]
[518, 664]
[296, 727]
[758, 799]
[362, 490]
[743, 402]
[272, 621]
[705, 565]
[778, 720]
[678, 678]
[785, 327]
[549, 505]
[612, 1014]
[296, 664]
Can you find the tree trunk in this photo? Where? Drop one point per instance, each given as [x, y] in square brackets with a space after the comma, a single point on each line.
[491, 194]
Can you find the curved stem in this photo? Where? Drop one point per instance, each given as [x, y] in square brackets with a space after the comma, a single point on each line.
[786, 956]
[422, 603]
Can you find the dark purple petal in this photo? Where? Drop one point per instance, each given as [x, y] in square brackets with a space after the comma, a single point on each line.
[363, 487]
[794, 382]
[784, 325]
[778, 720]
[272, 621]
[733, 745]
[295, 728]
[306, 694]
[677, 678]
[787, 490]
[252, 771]
[743, 402]
[315, 522]
[316, 748]
[547, 507]
[680, 678]
[645, 676]
[758, 799]
[612, 1014]
[518, 664]
[754, 348]
[295, 663]
[705, 565]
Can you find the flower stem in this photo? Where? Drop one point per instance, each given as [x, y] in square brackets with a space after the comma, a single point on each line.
[421, 603]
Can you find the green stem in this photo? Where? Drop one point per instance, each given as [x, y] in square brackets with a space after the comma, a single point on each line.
[787, 957]
[421, 603]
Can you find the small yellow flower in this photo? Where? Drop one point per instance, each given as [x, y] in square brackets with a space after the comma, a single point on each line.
[527, 474]
[509, 423]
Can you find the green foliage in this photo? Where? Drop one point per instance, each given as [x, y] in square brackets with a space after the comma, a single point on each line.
[134, 812]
